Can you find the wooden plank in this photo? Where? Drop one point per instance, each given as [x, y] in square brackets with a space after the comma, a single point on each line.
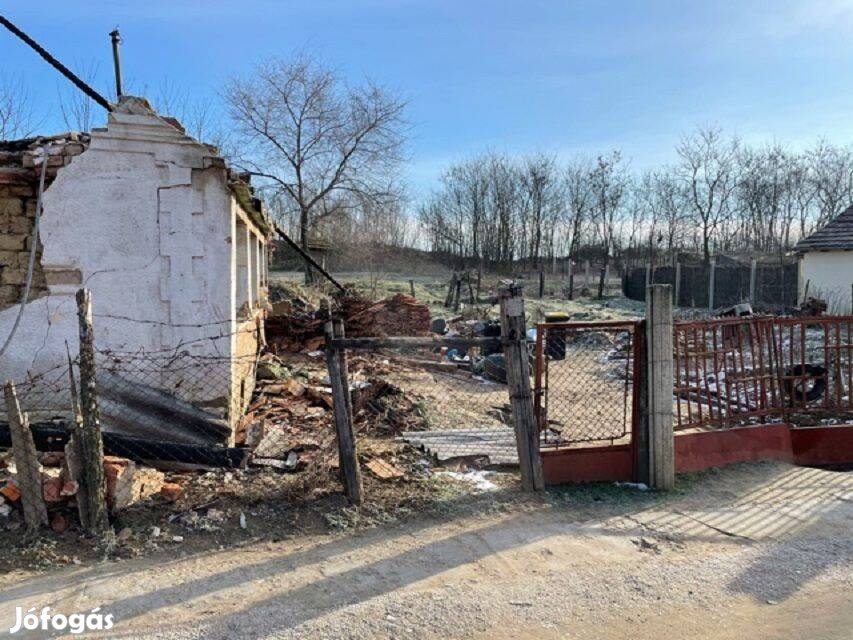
[28, 476]
[348, 456]
[383, 469]
[518, 381]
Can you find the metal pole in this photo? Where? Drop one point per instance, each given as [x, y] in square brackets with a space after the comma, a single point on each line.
[116, 40]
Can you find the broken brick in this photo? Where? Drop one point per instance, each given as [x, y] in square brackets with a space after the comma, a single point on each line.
[10, 492]
[58, 522]
[51, 489]
[171, 491]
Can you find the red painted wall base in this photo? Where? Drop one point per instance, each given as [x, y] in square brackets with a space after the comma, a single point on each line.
[830, 445]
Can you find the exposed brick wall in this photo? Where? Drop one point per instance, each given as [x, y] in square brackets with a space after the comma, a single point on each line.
[19, 177]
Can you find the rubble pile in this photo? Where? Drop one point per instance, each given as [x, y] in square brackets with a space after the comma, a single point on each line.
[399, 315]
[290, 423]
[127, 484]
[295, 324]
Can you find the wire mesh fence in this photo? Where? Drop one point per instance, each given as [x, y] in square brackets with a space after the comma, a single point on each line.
[585, 382]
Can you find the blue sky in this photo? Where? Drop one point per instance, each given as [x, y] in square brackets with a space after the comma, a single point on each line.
[560, 76]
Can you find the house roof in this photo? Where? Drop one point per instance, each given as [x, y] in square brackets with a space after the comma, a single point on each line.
[835, 235]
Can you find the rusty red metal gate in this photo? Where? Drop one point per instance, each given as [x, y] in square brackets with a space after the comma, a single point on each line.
[736, 371]
[586, 389]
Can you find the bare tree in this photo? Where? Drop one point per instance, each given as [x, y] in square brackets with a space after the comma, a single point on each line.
[542, 202]
[832, 179]
[578, 194]
[708, 169]
[17, 115]
[608, 185]
[316, 138]
[78, 109]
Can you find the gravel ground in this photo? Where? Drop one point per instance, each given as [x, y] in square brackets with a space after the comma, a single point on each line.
[728, 548]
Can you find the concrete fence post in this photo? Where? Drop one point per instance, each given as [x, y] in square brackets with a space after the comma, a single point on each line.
[660, 381]
[753, 268]
[711, 281]
[675, 297]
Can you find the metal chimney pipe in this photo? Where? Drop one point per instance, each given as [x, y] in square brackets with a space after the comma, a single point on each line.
[116, 39]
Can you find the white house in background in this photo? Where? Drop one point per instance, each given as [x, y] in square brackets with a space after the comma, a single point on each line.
[173, 246]
[826, 263]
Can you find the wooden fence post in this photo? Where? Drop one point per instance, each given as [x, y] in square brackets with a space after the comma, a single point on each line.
[451, 290]
[26, 462]
[90, 441]
[541, 283]
[661, 439]
[514, 338]
[571, 279]
[412, 287]
[347, 451]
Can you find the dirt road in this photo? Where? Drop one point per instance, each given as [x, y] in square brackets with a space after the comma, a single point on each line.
[758, 551]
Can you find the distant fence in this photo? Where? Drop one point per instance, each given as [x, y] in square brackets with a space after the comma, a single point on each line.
[768, 287]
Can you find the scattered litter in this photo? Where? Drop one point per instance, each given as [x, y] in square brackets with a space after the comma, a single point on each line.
[639, 486]
[242, 520]
[476, 477]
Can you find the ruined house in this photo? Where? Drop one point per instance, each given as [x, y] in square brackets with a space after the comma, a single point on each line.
[172, 245]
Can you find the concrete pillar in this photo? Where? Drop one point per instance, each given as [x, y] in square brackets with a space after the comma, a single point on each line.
[753, 268]
[711, 281]
[661, 438]
[675, 297]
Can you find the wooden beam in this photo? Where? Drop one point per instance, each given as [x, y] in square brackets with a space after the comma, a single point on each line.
[90, 442]
[427, 342]
[28, 478]
[348, 454]
[518, 381]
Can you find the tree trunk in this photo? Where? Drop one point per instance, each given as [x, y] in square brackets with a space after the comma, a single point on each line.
[303, 241]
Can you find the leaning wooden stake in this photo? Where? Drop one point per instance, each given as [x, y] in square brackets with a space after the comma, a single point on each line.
[518, 380]
[91, 445]
[660, 382]
[451, 290]
[350, 471]
[28, 471]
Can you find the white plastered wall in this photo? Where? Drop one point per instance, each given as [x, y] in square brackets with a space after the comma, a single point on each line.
[829, 275]
[146, 215]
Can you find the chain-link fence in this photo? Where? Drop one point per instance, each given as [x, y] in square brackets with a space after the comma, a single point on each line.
[585, 382]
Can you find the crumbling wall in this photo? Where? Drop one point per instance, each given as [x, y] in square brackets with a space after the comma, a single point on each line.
[19, 179]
